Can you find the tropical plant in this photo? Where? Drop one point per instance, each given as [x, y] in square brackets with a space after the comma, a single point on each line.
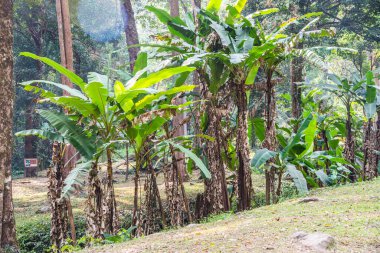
[298, 159]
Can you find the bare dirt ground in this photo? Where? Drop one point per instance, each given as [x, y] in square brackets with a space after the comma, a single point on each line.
[351, 214]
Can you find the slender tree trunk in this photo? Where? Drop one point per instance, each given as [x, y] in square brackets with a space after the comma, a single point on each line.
[126, 162]
[7, 221]
[349, 147]
[242, 147]
[132, 38]
[67, 60]
[131, 33]
[179, 118]
[270, 141]
[30, 141]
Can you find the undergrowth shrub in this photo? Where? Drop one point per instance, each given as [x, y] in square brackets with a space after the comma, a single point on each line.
[34, 236]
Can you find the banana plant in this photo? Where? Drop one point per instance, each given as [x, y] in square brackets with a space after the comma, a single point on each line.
[298, 159]
[95, 107]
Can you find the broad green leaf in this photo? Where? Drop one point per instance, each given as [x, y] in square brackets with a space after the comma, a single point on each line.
[261, 157]
[141, 62]
[98, 95]
[77, 177]
[64, 71]
[214, 5]
[310, 133]
[370, 97]
[176, 26]
[198, 162]
[118, 88]
[153, 126]
[43, 134]
[240, 5]
[69, 90]
[222, 32]
[71, 132]
[84, 107]
[298, 178]
[252, 73]
[323, 177]
[296, 139]
[37, 90]
[150, 98]
[259, 127]
[159, 76]
[125, 98]
[263, 12]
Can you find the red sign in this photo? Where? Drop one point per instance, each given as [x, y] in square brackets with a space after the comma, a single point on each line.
[31, 162]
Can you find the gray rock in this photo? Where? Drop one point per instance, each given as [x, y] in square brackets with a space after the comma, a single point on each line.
[44, 209]
[319, 242]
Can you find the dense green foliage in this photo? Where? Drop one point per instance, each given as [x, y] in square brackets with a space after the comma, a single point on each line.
[230, 69]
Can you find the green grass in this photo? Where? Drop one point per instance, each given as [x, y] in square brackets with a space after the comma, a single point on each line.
[350, 213]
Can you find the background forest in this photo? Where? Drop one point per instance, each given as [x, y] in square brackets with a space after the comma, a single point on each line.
[148, 115]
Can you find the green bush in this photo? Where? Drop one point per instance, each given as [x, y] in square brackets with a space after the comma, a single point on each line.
[34, 236]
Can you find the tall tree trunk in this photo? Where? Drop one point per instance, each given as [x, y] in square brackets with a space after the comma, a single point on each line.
[67, 60]
[270, 141]
[132, 38]
[131, 33]
[349, 147]
[30, 141]
[242, 147]
[179, 118]
[7, 221]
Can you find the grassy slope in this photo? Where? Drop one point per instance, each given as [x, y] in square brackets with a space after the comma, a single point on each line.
[349, 213]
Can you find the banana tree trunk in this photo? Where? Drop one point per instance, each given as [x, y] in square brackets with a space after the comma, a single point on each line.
[369, 164]
[111, 218]
[215, 197]
[59, 214]
[94, 213]
[136, 215]
[377, 144]
[153, 205]
[270, 141]
[242, 149]
[178, 203]
[349, 147]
